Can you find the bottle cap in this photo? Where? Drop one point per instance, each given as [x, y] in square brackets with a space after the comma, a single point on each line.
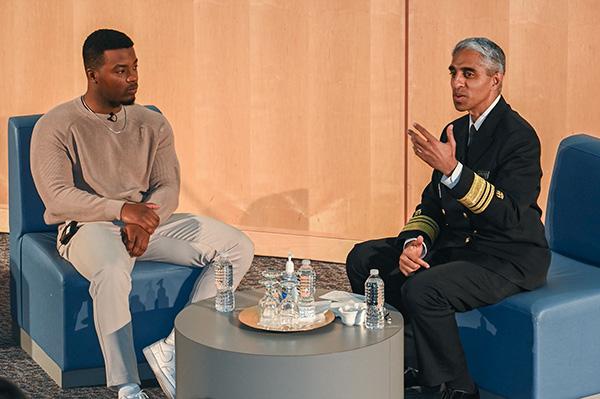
[305, 262]
[289, 265]
[374, 272]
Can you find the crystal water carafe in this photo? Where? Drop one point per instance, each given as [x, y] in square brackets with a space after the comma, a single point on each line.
[224, 300]
[306, 291]
[374, 298]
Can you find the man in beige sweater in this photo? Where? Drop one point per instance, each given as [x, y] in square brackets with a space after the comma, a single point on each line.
[107, 171]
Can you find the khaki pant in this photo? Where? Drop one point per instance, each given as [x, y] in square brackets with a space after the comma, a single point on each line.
[98, 253]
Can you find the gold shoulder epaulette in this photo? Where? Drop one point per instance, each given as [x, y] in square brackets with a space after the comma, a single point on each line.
[479, 196]
[423, 223]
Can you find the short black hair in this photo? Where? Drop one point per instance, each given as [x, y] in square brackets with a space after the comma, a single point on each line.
[99, 41]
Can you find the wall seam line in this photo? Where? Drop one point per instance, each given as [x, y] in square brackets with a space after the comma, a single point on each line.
[406, 19]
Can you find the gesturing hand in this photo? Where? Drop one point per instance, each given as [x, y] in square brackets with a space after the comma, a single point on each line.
[410, 259]
[135, 239]
[141, 214]
[438, 155]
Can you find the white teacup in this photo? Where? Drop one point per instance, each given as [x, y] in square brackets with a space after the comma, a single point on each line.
[353, 314]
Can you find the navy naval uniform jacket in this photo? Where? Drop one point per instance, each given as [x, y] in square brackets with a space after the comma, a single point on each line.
[493, 208]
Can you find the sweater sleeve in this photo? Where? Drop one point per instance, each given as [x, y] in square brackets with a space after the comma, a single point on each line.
[164, 176]
[52, 171]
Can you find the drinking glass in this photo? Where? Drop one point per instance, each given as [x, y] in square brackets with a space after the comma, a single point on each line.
[273, 275]
[288, 309]
[269, 305]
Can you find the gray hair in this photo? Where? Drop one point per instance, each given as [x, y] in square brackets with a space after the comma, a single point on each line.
[491, 54]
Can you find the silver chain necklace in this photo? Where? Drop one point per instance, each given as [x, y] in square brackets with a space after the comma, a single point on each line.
[102, 121]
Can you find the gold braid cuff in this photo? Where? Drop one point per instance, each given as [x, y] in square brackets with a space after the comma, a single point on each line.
[423, 223]
[479, 196]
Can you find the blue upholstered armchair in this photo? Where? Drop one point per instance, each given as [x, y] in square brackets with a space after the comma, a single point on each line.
[49, 298]
[545, 344]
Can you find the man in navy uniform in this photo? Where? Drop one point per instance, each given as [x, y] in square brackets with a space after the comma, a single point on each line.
[477, 236]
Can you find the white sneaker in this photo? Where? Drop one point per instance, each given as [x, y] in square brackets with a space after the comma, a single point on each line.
[161, 358]
[138, 395]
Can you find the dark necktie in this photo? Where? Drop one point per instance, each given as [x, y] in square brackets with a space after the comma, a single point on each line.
[472, 131]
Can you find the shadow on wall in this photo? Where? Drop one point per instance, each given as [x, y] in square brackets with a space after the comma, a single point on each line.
[286, 210]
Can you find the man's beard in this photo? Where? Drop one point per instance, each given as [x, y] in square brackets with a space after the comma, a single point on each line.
[128, 102]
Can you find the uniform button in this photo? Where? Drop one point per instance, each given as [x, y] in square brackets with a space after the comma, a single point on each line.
[465, 215]
[467, 240]
[474, 231]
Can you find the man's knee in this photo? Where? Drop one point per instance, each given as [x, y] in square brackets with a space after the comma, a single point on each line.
[98, 241]
[239, 242]
[96, 247]
[357, 260]
[245, 244]
[240, 247]
[421, 292]
[230, 239]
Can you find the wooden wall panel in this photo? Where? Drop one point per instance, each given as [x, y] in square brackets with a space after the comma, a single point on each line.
[36, 63]
[279, 120]
[582, 78]
[339, 91]
[535, 62]
[387, 152]
[287, 114]
[218, 164]
[296, 112]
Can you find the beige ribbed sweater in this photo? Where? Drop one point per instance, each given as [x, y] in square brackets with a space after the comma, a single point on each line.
[85, 172]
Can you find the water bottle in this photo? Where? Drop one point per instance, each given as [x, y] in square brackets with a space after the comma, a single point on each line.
[307, 278]
[289, 277]
[224, 300]
[374, 298]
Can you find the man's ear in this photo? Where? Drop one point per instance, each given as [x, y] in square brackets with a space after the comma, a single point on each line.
[91, 75]
[497, 78]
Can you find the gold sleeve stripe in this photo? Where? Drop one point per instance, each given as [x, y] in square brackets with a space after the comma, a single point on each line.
[426, 219]
[425, 224]
[485, 200]
[479, 196]
[422, 225]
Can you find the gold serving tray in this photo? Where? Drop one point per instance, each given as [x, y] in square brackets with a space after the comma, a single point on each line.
[250, 317]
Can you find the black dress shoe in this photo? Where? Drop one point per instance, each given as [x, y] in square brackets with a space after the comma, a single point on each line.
[450, 393]
[412, 382]
[411, 378]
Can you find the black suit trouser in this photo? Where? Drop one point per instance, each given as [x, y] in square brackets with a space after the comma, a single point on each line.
[457, 281]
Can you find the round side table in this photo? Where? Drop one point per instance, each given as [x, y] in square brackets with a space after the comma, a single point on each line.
[217, 357]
